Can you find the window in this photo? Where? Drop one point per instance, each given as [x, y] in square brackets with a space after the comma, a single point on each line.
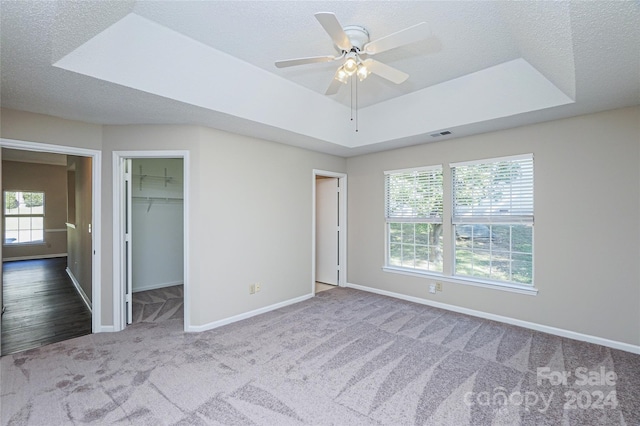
[414, 219]
[23, 217]
[493, 219]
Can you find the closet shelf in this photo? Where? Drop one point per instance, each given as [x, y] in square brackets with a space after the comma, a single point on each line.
[166, 179]
[160, 200]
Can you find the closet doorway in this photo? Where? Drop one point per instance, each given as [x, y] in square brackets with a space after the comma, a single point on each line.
[157, 222]
[151, 237]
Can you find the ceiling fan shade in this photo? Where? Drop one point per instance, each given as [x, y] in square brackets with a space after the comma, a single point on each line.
[341, 76]
[351, 64]
[363, 72]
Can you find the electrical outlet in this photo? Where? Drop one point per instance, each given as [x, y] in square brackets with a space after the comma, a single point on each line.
[252, 289]
[432, 288]
[438, 286]
[258, 287]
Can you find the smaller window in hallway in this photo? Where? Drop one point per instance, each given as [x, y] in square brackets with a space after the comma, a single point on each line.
[23, 217]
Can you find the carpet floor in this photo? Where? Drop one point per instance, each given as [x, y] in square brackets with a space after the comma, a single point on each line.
[344, 357]
[158, 305]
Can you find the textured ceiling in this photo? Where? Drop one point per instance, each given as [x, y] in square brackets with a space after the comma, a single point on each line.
[486, 66]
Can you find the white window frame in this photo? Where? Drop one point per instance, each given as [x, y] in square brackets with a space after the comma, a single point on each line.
[408, 217]
[22, 215]
[448, 274]
[518, 212]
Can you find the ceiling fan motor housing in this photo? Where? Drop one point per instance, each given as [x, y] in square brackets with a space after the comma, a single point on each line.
[359, 36]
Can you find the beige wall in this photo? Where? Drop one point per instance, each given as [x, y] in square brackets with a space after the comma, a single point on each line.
[52, 180]
[587, 227]
[30, 127]
[249, 214]
[133, 138]
[263, 234]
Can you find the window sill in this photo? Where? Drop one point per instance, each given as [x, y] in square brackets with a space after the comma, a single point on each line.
[513, 288]
[36, 243]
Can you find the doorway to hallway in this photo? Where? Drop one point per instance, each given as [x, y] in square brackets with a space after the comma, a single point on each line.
[329, 229]
[56, 268]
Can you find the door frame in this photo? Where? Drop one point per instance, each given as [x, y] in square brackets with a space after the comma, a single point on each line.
[119, 307]
[96, 217]
[342, 227]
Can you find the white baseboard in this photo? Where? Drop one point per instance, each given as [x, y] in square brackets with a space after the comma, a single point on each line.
[155, 286]
[225, 321]
[507, 320]
[40, 256]
[105, 329]
[79, 289]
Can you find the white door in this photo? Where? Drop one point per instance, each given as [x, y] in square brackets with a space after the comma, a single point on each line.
[327, 230]
[128, 252]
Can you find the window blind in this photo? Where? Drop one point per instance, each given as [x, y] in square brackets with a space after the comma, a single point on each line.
[494, 191]
[414, 195]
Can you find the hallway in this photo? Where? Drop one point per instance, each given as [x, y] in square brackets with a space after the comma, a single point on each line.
[41, 305]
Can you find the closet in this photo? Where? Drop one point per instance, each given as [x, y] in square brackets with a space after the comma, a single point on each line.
[157, 223]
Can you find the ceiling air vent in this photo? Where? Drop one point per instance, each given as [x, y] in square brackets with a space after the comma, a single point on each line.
[437, 135]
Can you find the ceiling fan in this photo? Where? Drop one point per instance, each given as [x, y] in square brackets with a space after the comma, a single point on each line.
[352, 41]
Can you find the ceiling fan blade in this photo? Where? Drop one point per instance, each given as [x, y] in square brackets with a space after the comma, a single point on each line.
[385, 71]
[331, 25]
[334, 86]
[303, 61]
[408, 35]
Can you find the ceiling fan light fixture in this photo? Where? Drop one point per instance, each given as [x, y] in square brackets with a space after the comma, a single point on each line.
[363, 72]
[351, 64]
[342, 75]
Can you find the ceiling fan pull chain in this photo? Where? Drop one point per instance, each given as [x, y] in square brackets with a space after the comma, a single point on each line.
[351, 96]
[356, 80]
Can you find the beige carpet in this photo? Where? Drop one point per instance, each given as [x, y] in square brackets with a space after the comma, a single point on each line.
[158, 304]
[323, 287]
[344, 357]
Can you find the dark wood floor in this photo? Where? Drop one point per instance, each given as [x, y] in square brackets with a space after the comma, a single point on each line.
[41, 305]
